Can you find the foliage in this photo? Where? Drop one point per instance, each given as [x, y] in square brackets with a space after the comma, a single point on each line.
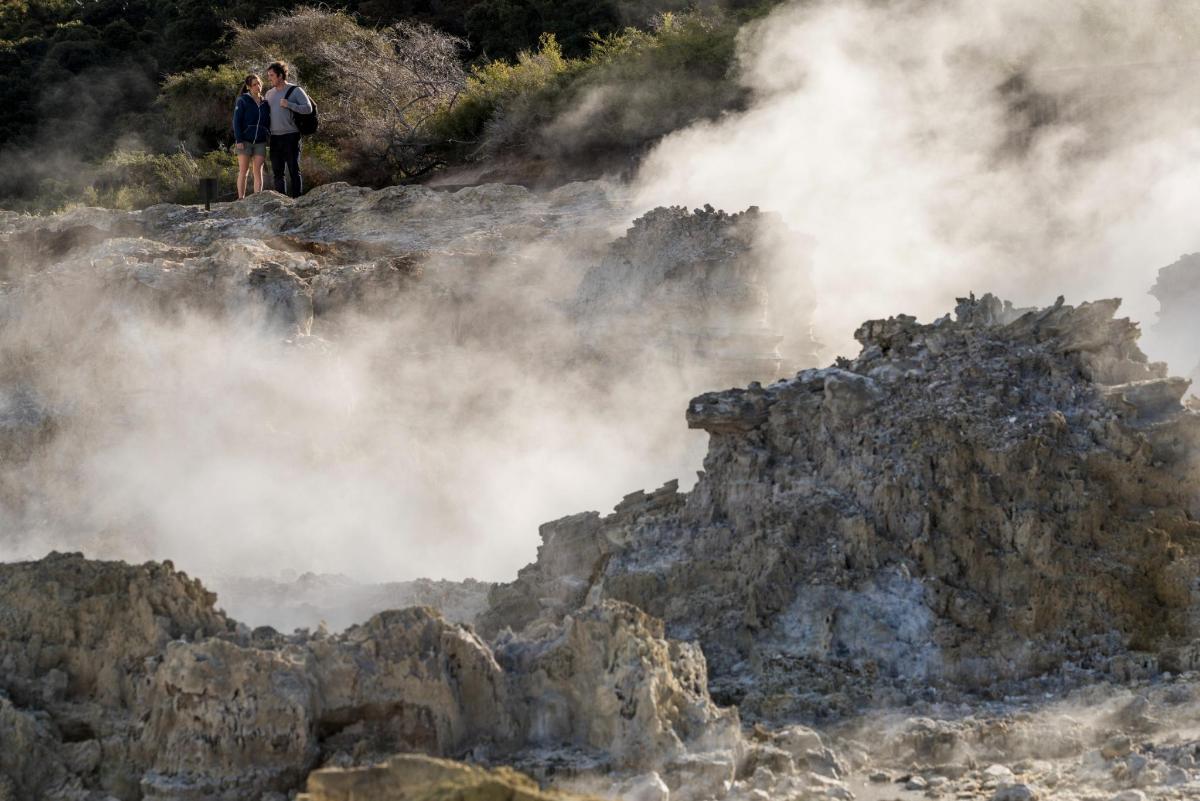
[501, 29]
[395, 81]
[634, 87]
[496, 84]
[578, 80]
[296, 37]
[130, 180]
[377, 89]
[120, 46]
[199, 103]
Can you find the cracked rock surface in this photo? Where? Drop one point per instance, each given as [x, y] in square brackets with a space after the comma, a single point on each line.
[124, 681]
[965, 503]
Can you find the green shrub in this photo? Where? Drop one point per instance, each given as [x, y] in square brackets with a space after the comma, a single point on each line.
[497, 84]
[634, 87]
[199, 104]
[130, 180]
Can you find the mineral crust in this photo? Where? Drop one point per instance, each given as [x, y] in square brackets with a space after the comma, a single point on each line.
[968, 501]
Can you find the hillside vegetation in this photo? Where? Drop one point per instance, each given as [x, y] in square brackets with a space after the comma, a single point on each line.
[127, 102]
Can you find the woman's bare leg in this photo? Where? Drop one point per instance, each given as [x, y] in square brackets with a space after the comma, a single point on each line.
[259, 161]
[243, 168]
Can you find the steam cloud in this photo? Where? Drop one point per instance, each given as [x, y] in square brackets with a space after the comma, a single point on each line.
[396, 445]
[928, 148]
[936, 148]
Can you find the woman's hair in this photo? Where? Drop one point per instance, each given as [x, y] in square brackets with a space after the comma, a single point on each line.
[246, 83]
[280, 68]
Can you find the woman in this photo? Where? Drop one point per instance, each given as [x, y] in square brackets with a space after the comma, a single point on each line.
[251, 129]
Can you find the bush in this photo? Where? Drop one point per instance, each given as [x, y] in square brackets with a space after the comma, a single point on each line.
[496, 85]
[131, 180]
[199, 104]
[296, 38]
[634, 87]
[377, 89]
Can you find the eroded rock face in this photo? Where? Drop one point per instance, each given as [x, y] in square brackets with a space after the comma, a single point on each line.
[124, 681]
[955, 505]
[78, 644]
[704, 287]
[607, 680]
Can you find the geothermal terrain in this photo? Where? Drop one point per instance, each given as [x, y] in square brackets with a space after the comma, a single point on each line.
[251, 456]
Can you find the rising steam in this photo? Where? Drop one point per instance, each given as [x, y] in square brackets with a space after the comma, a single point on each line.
[934, 148]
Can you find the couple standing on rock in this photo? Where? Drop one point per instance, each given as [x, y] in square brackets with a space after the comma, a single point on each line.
[259, 119]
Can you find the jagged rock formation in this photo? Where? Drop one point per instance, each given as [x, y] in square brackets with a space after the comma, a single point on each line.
[966, 502]
[704, 288]
[966, 507]
[339, 249]
[124, 681]
[1177, 332]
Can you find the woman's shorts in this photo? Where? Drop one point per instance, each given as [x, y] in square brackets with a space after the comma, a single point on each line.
[251, 149]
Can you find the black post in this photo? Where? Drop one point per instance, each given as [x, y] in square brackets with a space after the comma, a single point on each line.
[208, 186]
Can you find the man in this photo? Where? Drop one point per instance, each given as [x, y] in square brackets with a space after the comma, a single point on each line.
[285, 136]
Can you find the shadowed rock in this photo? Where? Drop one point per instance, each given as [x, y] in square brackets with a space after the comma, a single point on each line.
[967, 501]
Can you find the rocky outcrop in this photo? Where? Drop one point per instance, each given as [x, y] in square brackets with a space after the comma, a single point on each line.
[705, 289]
[967, 501]
[420, 778]
[230, 719]
[340, 251]
[608, 681]
[78, 642]
[125, 681]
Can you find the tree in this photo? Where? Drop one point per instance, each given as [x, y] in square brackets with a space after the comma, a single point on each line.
[397, 80]
[503, 28]
[377, 90]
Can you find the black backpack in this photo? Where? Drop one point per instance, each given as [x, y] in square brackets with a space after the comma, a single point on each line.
[306, 124]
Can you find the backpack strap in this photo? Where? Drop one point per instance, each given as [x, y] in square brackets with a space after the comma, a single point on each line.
[288, 94]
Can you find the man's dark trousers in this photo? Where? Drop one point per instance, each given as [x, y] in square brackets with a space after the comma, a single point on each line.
[285, 149]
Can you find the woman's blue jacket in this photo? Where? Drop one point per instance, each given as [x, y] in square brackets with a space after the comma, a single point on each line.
[251, 121]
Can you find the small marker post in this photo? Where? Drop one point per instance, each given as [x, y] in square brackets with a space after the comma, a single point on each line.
[208, 188]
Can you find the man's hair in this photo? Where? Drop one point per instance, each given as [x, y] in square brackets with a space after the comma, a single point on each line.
[280, 68]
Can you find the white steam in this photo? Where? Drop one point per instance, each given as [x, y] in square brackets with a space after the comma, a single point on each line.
[934, 148]
[411, 436]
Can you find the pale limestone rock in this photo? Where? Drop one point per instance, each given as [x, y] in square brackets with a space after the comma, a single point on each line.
[129, 683]
[1014, 792]
[646, 787]
[420, 778]
[228, 722]
[608, 680]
